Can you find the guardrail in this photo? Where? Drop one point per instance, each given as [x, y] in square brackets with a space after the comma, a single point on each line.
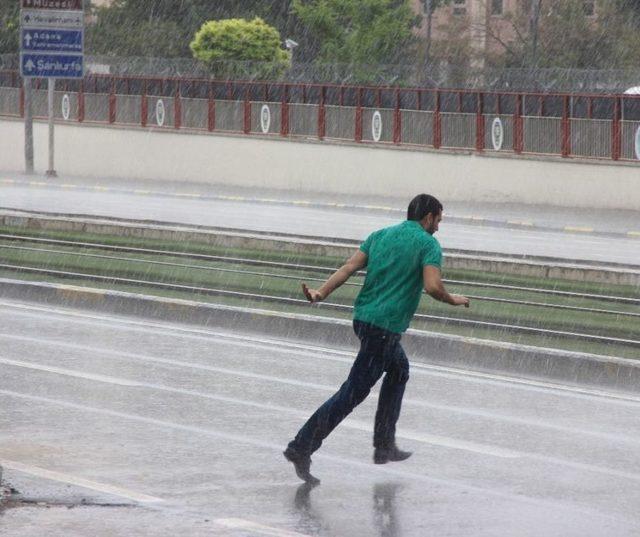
[593, 126]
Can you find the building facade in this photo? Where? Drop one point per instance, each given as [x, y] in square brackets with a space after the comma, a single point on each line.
[488, 24]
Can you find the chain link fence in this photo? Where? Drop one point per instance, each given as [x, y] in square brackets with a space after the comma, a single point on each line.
[408, 75]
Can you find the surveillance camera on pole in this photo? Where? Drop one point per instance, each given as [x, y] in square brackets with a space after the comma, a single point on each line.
[291, 46]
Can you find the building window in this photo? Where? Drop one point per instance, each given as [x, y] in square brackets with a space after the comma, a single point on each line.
[459, 7]
[589, 8]
[496, 7]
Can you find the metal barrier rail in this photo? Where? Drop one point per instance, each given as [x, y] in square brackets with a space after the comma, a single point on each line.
[311, 278]
[291, 236]
[274, 264]
[315, 268]
[582, 125]
[294, 301]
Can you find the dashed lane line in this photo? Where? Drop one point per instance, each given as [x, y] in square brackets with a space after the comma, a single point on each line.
[578, 229]
[520, 223]
[308, 203]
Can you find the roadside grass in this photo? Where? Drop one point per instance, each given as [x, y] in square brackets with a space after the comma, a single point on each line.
[285, 282]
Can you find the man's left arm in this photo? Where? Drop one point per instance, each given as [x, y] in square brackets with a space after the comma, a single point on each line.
[355, 263]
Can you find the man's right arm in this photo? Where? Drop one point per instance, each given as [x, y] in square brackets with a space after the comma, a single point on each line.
[434, 287]
[357, 262]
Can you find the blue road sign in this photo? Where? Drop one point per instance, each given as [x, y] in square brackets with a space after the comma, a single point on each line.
[52, 65]
[48, 40]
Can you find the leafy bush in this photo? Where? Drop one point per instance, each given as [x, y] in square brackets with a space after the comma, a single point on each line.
[226, 46]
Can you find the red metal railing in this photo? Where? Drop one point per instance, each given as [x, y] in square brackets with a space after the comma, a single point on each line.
[538, 123]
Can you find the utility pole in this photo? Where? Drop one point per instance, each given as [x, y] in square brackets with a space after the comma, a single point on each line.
[428, 9]
[28, 126]
[534, 21]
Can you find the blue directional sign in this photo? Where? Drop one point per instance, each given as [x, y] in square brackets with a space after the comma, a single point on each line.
[52, 39]
[52, 65]
[47, 40]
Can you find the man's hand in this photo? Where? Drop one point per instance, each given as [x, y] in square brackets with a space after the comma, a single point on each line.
[313, 295]
[459, 300]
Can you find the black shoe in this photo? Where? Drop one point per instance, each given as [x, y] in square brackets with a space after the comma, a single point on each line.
[302, 464]
[383, 455]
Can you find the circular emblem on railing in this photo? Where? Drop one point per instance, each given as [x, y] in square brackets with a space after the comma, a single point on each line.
[376, 126]
[497, 134]
[265, 119]
[160, 112]
[66, 107]
[638, 143]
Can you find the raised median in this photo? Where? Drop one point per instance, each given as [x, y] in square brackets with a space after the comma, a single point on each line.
[259, 272]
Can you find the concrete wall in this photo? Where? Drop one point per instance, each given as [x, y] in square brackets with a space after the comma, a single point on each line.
[323, 167]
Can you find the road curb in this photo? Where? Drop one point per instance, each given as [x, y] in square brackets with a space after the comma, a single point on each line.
[445, 350]
[230, 238]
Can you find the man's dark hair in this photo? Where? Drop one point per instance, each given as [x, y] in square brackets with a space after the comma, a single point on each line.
[422, 205]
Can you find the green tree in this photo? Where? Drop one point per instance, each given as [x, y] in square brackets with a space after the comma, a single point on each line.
[9, 24]
[221, 44]
[362, 33]
[165, 28]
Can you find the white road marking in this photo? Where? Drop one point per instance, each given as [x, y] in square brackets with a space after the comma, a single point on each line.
[204, 334]
[351, 463]
[247, 525]
[609, 437]
[577, 229]
[67, 372]
[435, 440]
[79, 481]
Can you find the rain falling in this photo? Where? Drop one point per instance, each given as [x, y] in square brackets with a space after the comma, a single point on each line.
[319, 268]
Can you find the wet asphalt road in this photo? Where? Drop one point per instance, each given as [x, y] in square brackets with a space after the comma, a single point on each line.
[340, 223]
[184, 426]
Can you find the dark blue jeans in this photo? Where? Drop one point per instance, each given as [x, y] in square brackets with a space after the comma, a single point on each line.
[380, 353]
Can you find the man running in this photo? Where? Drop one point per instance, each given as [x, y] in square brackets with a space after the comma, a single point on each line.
[401, 260]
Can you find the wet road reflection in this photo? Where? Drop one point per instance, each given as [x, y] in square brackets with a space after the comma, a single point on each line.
[385, 515]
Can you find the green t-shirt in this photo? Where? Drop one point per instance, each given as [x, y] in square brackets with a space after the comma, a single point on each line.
[394, 281]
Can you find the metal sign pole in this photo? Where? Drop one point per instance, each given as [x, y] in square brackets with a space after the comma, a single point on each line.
[51, 47]
[51, 172]
[28, 126]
